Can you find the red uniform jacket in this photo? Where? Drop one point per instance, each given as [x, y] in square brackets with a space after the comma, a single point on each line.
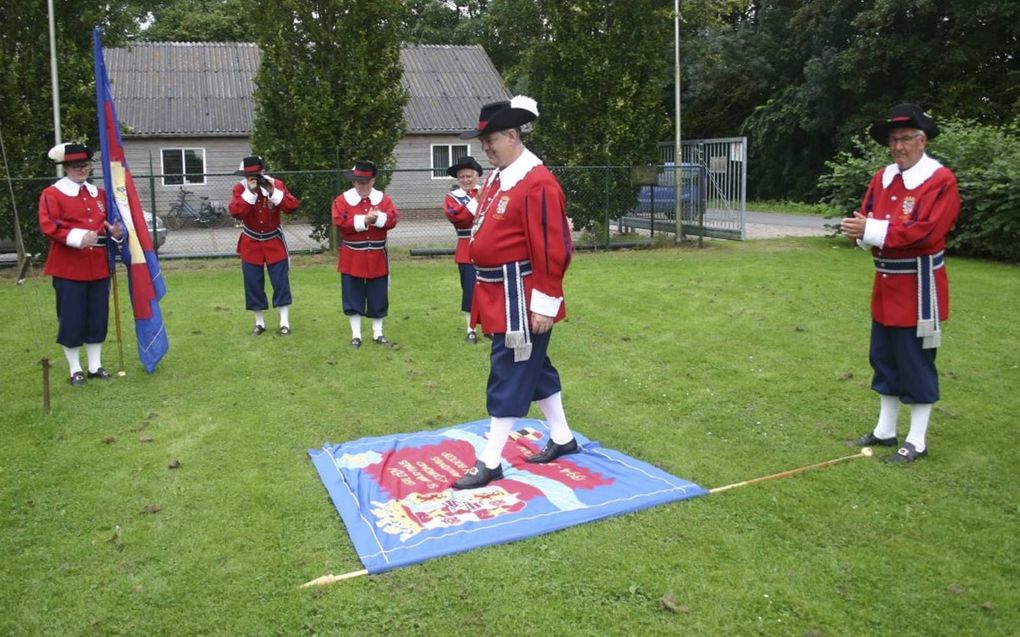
[458, 208]
[66, 212]
[363, 251]
[525, 218]
[921, 206]
[261, 214]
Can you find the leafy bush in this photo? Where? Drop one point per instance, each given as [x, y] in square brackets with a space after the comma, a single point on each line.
[986, 160]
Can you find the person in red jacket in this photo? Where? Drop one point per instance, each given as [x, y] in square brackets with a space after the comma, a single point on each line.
[72, 213]
[460, 206]
[521, 245]
[909, 208]
[364, 216]
[257, 202]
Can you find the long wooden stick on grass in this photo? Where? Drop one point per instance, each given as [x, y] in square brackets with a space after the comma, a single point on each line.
[864, 453]
[329, 579]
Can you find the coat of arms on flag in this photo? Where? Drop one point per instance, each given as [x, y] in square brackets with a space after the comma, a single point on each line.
[395, 497]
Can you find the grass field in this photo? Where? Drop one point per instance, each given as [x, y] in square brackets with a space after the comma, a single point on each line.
[718, 365]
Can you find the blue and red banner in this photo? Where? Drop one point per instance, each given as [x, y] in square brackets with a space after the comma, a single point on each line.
[395, 497]
[145, 280]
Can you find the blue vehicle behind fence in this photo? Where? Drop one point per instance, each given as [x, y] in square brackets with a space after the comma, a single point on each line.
[657, 200]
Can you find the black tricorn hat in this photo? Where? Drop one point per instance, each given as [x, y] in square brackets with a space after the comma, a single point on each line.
[497, 116]
[251, 165]
[363, 169]
[467, 161]
[70, 153]
[904, 116]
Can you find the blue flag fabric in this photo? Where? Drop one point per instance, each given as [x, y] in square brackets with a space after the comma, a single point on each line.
[395, 497]
[145, 279]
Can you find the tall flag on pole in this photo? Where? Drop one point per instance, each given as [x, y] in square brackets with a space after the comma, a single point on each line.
[145, 280]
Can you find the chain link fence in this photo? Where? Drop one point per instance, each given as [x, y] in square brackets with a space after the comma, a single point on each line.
[188, 215]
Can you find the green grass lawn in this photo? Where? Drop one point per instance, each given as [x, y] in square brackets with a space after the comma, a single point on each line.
[719, 365]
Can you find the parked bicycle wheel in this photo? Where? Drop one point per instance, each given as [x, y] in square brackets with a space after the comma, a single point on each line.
[175, 218]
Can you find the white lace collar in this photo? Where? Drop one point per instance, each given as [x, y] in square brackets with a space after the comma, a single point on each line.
[509, 176]
[71, 188]
[913, 176]
[353, 198]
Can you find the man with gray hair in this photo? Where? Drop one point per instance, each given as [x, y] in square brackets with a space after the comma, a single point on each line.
[906, 213]
[521, 246]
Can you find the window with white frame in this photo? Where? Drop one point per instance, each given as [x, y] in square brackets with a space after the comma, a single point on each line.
[183, 166]
[446, 155]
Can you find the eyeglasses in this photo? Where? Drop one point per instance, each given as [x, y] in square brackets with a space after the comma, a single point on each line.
[903, 139]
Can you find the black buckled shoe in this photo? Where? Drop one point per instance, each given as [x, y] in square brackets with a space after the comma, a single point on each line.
[472, 338]
[284, 331]
[77, 379]
[356, 343]
[553, 451]
[381, 340]
[906, 454]
[258, 330]
[478, 476]
[100, 374]
[871, 441]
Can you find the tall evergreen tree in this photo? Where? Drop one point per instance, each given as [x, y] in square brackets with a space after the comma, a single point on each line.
[328, 88]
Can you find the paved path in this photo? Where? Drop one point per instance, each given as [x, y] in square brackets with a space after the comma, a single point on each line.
[765, 225]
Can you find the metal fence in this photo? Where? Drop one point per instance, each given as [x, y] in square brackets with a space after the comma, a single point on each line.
[189, 220]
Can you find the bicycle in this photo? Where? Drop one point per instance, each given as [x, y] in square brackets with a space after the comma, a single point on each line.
[208, 213]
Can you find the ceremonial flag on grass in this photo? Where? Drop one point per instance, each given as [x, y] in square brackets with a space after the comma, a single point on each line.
[145, 280]
[395, 497]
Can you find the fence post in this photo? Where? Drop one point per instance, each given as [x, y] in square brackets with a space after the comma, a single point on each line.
[334, 240]
[152, 198]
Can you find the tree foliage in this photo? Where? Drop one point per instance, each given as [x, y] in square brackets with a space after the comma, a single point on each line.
[26, 95]
[328, 88]
[201, 21]
[802, 78]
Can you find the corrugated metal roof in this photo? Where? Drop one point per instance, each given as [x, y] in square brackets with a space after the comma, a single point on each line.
[184, 88]
[447, 86]
[205, 88]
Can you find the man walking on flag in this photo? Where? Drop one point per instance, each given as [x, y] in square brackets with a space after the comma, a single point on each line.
[72, 213]
[145, 280]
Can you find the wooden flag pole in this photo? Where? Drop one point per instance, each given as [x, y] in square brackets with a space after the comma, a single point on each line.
[116, 315]
[864, 453]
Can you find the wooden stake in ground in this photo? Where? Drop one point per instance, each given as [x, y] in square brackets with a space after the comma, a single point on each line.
[116, 315]
[866, 452]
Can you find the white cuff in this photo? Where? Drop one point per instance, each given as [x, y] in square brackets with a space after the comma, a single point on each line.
[277, 197]
[544, 304]
[249, 197]
[472, 206]
[380, 220]
[76, 237]
[359, 223]
[874, 232]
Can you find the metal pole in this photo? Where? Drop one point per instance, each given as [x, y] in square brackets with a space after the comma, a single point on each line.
[54, 82]
[678, 155]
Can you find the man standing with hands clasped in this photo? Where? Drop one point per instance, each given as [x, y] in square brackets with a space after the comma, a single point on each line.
[907, 211]
[521, 246]
[364, 216]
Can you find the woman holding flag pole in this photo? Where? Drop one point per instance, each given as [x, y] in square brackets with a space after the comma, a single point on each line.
[72, 213]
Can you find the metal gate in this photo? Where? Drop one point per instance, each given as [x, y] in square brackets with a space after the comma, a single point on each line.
[714, 192]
